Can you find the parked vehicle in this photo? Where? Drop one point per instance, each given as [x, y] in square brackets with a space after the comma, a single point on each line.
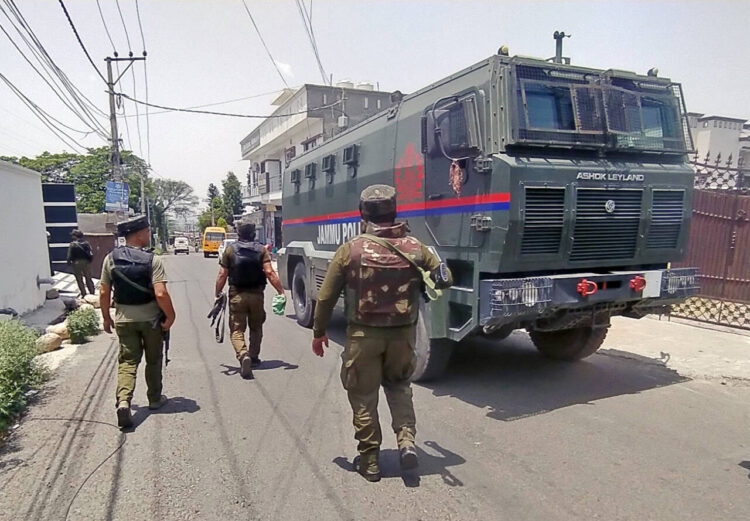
[212, 238]
[181, 244]
[224, 244]
[557, 195]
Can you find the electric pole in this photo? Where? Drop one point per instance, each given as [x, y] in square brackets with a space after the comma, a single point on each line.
[116, 160]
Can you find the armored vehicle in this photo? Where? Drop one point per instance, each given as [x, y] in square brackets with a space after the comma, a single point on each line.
[557, 194]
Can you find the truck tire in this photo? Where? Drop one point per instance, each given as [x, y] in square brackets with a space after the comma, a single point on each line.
[205, 254]
[568, 344]
[304, 306]
[432, 354]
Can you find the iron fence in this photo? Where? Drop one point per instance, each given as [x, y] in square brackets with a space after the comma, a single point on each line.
[719, 244]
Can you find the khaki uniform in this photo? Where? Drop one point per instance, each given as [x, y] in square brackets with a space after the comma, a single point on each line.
[81, 266]
[138, 336]
[246, 311]
[375, 356]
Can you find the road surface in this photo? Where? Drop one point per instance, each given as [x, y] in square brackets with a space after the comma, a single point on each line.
[505, 435]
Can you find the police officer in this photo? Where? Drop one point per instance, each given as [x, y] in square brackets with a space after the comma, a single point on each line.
[247, 265]
[80, 257]
[382, 292]
[143, 310]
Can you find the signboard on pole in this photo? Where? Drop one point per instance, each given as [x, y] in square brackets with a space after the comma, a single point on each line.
[117, 197]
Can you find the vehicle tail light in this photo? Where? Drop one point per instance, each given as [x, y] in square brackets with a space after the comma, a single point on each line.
[637, 283]
[587, 287]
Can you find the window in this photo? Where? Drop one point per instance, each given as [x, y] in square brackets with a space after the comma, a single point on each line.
[705, 124]
[367, 103]
[325, 99]
[549, 107]
[379, 104]
[658, 119]
[309, 145]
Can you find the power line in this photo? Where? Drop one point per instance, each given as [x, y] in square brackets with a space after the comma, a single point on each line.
[132, 75]
[127, 36]
[145, 79]
[306, 21]
[43, 116]
[48, 64]
[275, 65]
[174, 109]
[218, 102]
[75, 31]
[104, 23]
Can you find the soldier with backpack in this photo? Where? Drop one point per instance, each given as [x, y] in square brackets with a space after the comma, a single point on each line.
[80, 257]
[247, 265]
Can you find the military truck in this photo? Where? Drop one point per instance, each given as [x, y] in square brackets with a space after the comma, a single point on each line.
[557, 195]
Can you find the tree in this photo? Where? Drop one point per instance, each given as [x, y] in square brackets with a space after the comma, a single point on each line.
[222, 223]
[213, 192]
[169, 196]
[232, 196]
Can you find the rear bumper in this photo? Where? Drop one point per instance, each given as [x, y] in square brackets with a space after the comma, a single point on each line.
[504, 301]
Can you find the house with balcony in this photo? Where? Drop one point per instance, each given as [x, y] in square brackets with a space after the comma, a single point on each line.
[304, 118]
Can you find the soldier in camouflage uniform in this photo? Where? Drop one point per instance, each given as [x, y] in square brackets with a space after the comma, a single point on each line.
[382, 291]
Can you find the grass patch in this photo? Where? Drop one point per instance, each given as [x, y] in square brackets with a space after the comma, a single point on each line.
[82, 323]
[19, 372]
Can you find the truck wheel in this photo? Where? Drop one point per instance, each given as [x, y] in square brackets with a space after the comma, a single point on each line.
[304, 306]
[205, 255]
[432, 354]
[568, 344]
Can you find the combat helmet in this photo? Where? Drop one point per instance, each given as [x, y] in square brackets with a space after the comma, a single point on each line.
[377, 204]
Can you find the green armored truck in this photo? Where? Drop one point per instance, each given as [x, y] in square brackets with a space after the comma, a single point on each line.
[557, 195]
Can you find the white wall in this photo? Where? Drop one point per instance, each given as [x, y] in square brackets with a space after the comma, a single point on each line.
[24, 253]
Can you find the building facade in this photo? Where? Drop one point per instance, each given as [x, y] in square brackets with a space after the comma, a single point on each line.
[24, 257]
[304, 118]
[720, 137]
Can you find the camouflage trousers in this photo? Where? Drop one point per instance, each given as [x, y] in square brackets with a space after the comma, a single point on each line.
[246, 311]
[138, 339]
[368, 363]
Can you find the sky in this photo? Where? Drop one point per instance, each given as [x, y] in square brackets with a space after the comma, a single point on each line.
[207, 51]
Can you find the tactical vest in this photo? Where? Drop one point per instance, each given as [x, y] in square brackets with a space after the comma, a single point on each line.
[383, 289]
[131, 276]
[246, 273]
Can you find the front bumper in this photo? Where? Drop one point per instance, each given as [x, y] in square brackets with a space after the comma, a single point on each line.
[503, 301]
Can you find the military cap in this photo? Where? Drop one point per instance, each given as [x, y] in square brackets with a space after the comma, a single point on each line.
[132, 225]
[378, 202]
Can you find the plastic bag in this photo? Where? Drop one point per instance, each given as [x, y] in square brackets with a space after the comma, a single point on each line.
[278, 304]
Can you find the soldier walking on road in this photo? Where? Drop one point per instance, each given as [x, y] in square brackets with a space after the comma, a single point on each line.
[143, 312]
[80, 257]
[247, 265]
[382, 291]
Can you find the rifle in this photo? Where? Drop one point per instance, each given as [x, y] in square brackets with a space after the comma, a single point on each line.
[164, 336]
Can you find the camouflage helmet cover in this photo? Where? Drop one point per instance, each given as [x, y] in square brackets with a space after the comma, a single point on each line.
[377, 203]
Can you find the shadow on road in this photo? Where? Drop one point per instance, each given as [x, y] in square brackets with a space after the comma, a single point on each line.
[232, 370]
[434, 462]
[514, 381]
[745, 465]
[175, 405]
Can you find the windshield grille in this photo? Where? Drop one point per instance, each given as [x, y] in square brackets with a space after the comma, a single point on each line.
[569, 108]
[666, 219]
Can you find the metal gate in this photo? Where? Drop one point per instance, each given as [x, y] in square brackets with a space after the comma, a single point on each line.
[719, 245]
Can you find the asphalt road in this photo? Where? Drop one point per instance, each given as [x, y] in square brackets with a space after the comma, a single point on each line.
[506, 435]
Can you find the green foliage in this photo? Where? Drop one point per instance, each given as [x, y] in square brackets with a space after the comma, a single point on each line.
[19, 372]
[232, 196]
[204, 219]
[82, 323]
[222, 223]
[89, 173]
[158, 251]
[169, 195]
[213, 192]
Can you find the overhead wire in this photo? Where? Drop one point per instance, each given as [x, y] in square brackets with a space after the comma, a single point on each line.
[69, 94]
[83, 47]
[117, 67]
[132, 75]
[220, 102]
[229, 114]
[145, 79]
[262, 41]
[44, 116]
[307, 23]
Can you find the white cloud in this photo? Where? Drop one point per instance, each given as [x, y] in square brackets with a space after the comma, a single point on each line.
[285, 68]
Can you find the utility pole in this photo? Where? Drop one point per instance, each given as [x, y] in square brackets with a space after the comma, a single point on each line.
[115, 155]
